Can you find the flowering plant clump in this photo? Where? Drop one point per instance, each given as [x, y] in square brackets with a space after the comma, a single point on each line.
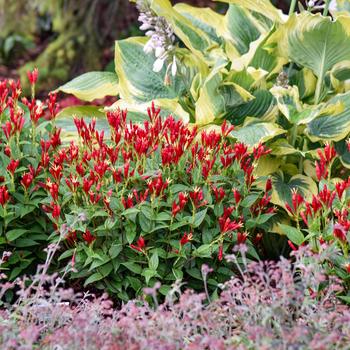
[27, 137]
[158, 200]
[266, 307]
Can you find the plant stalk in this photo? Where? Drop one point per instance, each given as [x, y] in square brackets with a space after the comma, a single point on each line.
[326, 7]
[292, 7]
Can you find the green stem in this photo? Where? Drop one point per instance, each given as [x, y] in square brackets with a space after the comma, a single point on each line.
[326, 7]
[318, 89]
[292, 7]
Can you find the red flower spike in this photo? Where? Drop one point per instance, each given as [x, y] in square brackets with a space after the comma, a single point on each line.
[88, 237]
[268, 186]
[27, 180]
[4, 196]
[339, 232]
[242, 237]
[13, 166]
[220, 253]
[187, 237]
[237, 195]
[56, 211]
[33, 76]
[140, 245]
[292, 246]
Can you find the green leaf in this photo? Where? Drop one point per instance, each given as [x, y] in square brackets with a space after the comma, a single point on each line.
[204, 251]
[331, 122]
[97, 276]
[133, 267]
[316, 42]
[154, 261]
[137, 80]
[264, 7]
[199, 217]
[92, 85]
[293, 234]
[16, 233]
[282, 191]
[115, 250]
[254, 133]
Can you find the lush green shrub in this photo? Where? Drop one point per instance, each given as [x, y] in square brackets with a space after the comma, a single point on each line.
[24, 136]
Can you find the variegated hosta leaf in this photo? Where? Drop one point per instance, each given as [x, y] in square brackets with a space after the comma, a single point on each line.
[92, 85]
[259, 107]
[343, 151]
[215, 97]
[282, 190]
[340, 77]
[305, 80]
[264, 7]
[288, 101]
[242, 28]
[260, 56]
[282, 147]
[138, 112]
[195, 39]
[332, 121]
[137, 80]
[257, 132]
[211, 22]
[315, 42]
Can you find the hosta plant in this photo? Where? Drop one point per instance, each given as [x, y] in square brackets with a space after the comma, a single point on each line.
[282, 80]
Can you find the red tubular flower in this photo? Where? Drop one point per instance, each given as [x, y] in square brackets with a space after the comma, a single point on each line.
[237, 195]
[339, 232]
[13, 166]
[297, 199]
[197, 196]
[327, 197]
[340, 187]
[56, 211]
[260, 151]
[88, 237]
[33, 76]
[219, 194]
[268, 186]
[128, 202]
[4, 196]
[140, 245]
[226, 225]
[27, 180]
[187, 237]
[55, 138]
[220, 253]
[347, 267]
[241, 237]
[226, 129]
[293, 247]
[7, 151]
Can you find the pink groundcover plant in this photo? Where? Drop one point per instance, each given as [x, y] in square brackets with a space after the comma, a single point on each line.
[280, 305]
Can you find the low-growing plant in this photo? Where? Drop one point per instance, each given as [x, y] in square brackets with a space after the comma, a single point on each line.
[270, 304]
[27, 133]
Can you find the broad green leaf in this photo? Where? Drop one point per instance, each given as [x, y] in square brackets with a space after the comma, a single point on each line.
[154, 261]
[97, 276]
[81, 112]
[305, 80]
[243, 28]
[288, 101]
[209, 21]
[341, 70]
[137, 80]
[257, 132]
[263, 7]
[282, 190]
[137, 112]
[331, 122]
[315, 42]
[343, 152]
[259, 107]
[191, 35]
[199, 217]
[204, 251]
[92, 85]
[16, 233]
[293, 234]
[215, 98]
